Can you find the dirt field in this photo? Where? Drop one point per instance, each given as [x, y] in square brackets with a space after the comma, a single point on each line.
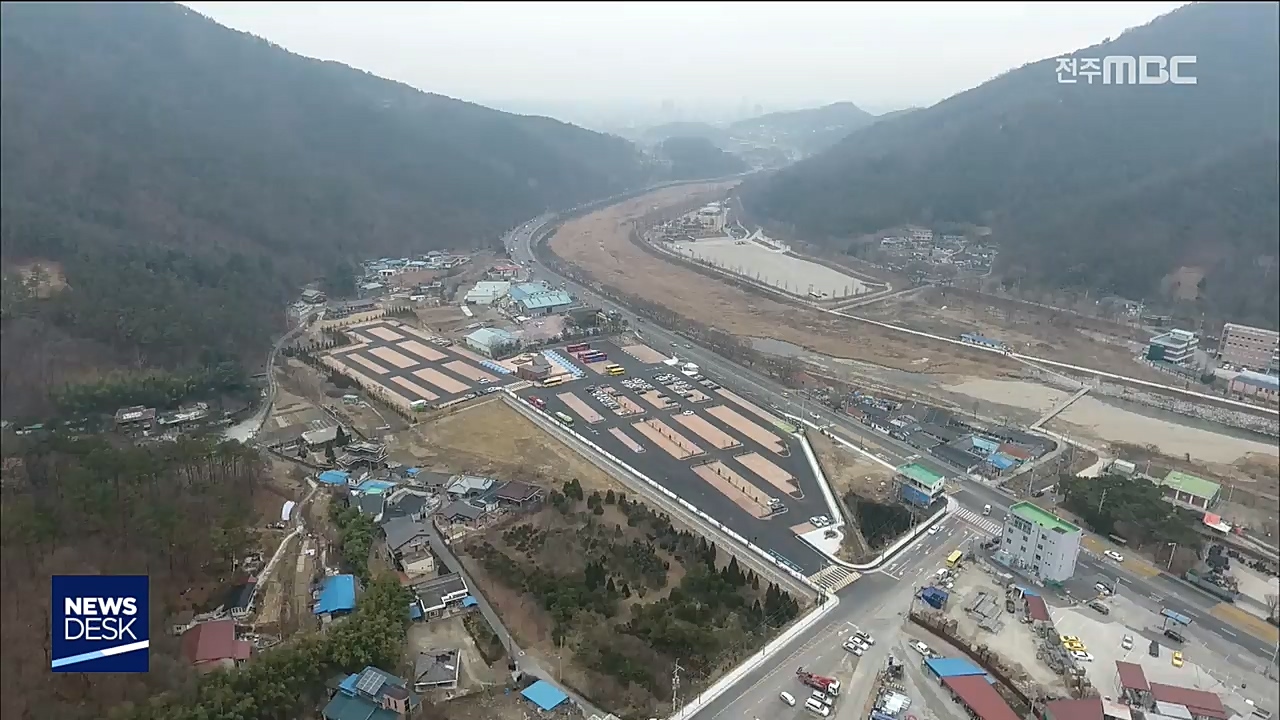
[1025, 327]
[448, 634]
[849, 472]
[491, 438]
[599, 244]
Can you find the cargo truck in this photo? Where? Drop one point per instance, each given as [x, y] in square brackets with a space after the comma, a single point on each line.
[828, 685]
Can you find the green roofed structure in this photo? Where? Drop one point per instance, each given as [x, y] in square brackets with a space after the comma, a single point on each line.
[918, 485]
[1040, 542]
[1189, 490]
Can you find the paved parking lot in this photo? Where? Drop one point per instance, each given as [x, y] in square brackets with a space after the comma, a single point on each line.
[704, 445]
[412, 365]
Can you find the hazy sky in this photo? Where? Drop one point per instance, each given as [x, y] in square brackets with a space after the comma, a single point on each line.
[879, 55]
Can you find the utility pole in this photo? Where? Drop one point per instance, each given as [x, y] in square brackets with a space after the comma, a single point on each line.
[1173, 549]
[1102, 500]
[675, 688]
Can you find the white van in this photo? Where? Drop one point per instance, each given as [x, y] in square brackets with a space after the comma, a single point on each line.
[986, 509]
[817, 708]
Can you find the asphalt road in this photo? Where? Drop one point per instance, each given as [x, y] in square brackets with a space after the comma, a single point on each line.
[1163, 591]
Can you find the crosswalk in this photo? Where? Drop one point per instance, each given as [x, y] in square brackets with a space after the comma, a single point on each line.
[834, 577]
[985, 524]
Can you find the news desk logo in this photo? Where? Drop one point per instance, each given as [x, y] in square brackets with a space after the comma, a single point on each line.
[100, 623]
[1128, 70]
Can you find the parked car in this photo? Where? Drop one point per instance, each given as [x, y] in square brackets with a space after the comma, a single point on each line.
[1100, 607]
[853, 647]
[866, 639]
[1102, 588]
[1154, 649]
[1177, 658]
[1127, 642]
[1175, 636]
[1081, 656]
[921, 648]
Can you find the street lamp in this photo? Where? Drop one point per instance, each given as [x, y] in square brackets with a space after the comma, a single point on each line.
[1173, 548]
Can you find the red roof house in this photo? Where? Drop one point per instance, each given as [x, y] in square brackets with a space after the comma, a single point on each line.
[213, 645]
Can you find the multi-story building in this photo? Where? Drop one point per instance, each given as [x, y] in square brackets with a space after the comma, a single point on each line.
[1041, 542]
[1250, 347]
[1176, 346]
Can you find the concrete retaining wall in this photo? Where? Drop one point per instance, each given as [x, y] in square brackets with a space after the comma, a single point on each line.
[754, 554]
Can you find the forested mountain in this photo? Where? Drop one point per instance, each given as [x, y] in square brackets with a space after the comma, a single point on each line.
[1117, 187]
[691, 158]
[810, 130]
[686, 129]
[186, 178]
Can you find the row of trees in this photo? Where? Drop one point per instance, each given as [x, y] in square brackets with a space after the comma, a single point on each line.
[356, 533]
[285, 682]
[160, 389]
[1133, 508]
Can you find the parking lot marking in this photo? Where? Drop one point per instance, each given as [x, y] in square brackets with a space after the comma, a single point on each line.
[580, 408]
[415, 388]
[625, 439]
[367, 363]
[442, 381]
[675, 444]
[392, 357]
[469, 372]
[770, 473]
[422, 351]
[719, 439]
[384, 333]
[735, 420]
[732, 486]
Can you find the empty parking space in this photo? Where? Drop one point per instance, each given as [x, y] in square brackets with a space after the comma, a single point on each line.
[770, 473]
[429, 354]
[718, 438]
[447, 384]
[735, 420]
[580, 408]
[469, 372]
[384, 333]
[463, 352]
[733, 487]
[675, 444]
[392, 357]
[598, 367]
[749, 406]
[626, 406]
[626, 440]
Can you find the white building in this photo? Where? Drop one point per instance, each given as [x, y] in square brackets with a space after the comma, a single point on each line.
[1250, 347]
[1176, 346]
[921, 235]
[487, 292]
[1041, 542]
[492, 342]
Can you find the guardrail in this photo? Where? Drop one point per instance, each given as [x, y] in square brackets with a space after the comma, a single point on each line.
[556, 428]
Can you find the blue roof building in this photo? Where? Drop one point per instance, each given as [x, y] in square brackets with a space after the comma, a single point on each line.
[372, 694]
[337, 595]
[545, 695]
[538, 298]
[334, 477]
[952, 667]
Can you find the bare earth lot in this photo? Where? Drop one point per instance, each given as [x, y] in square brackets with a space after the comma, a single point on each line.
[491, 438]
[599, 244]
[1025, 327]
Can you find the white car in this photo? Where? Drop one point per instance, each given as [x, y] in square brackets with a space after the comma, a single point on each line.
[787, 698]
[1102, 589]
[934, 530]
[865, 638]
[921, 648]
[853, 647]
[1081, 656]
[1127, 642]
[1114, 556]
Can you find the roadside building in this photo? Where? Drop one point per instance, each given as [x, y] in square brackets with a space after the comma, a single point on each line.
[919, 485]
[239, 599]
[942, 668]
[317, 439]
[518, 494]
[1256, 385]
[1132, 681]
[536, 299]
[436, 670]
[213, 645]
[492, 342]
[468, 486]
[1201, 704]
[1041, 542]
[372, 694]
[1188, 490]
[347, 308]
[337, 597]
[137, 417]
[503, 270]
[1036, 609]
[312, 297]
[487, 292]
[408, 543]
[440, 594]
[463, 512]
[534, 371]
[1177, 347]
[1250, 347]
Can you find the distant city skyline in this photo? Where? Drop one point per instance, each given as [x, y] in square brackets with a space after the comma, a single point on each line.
[624, 60]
